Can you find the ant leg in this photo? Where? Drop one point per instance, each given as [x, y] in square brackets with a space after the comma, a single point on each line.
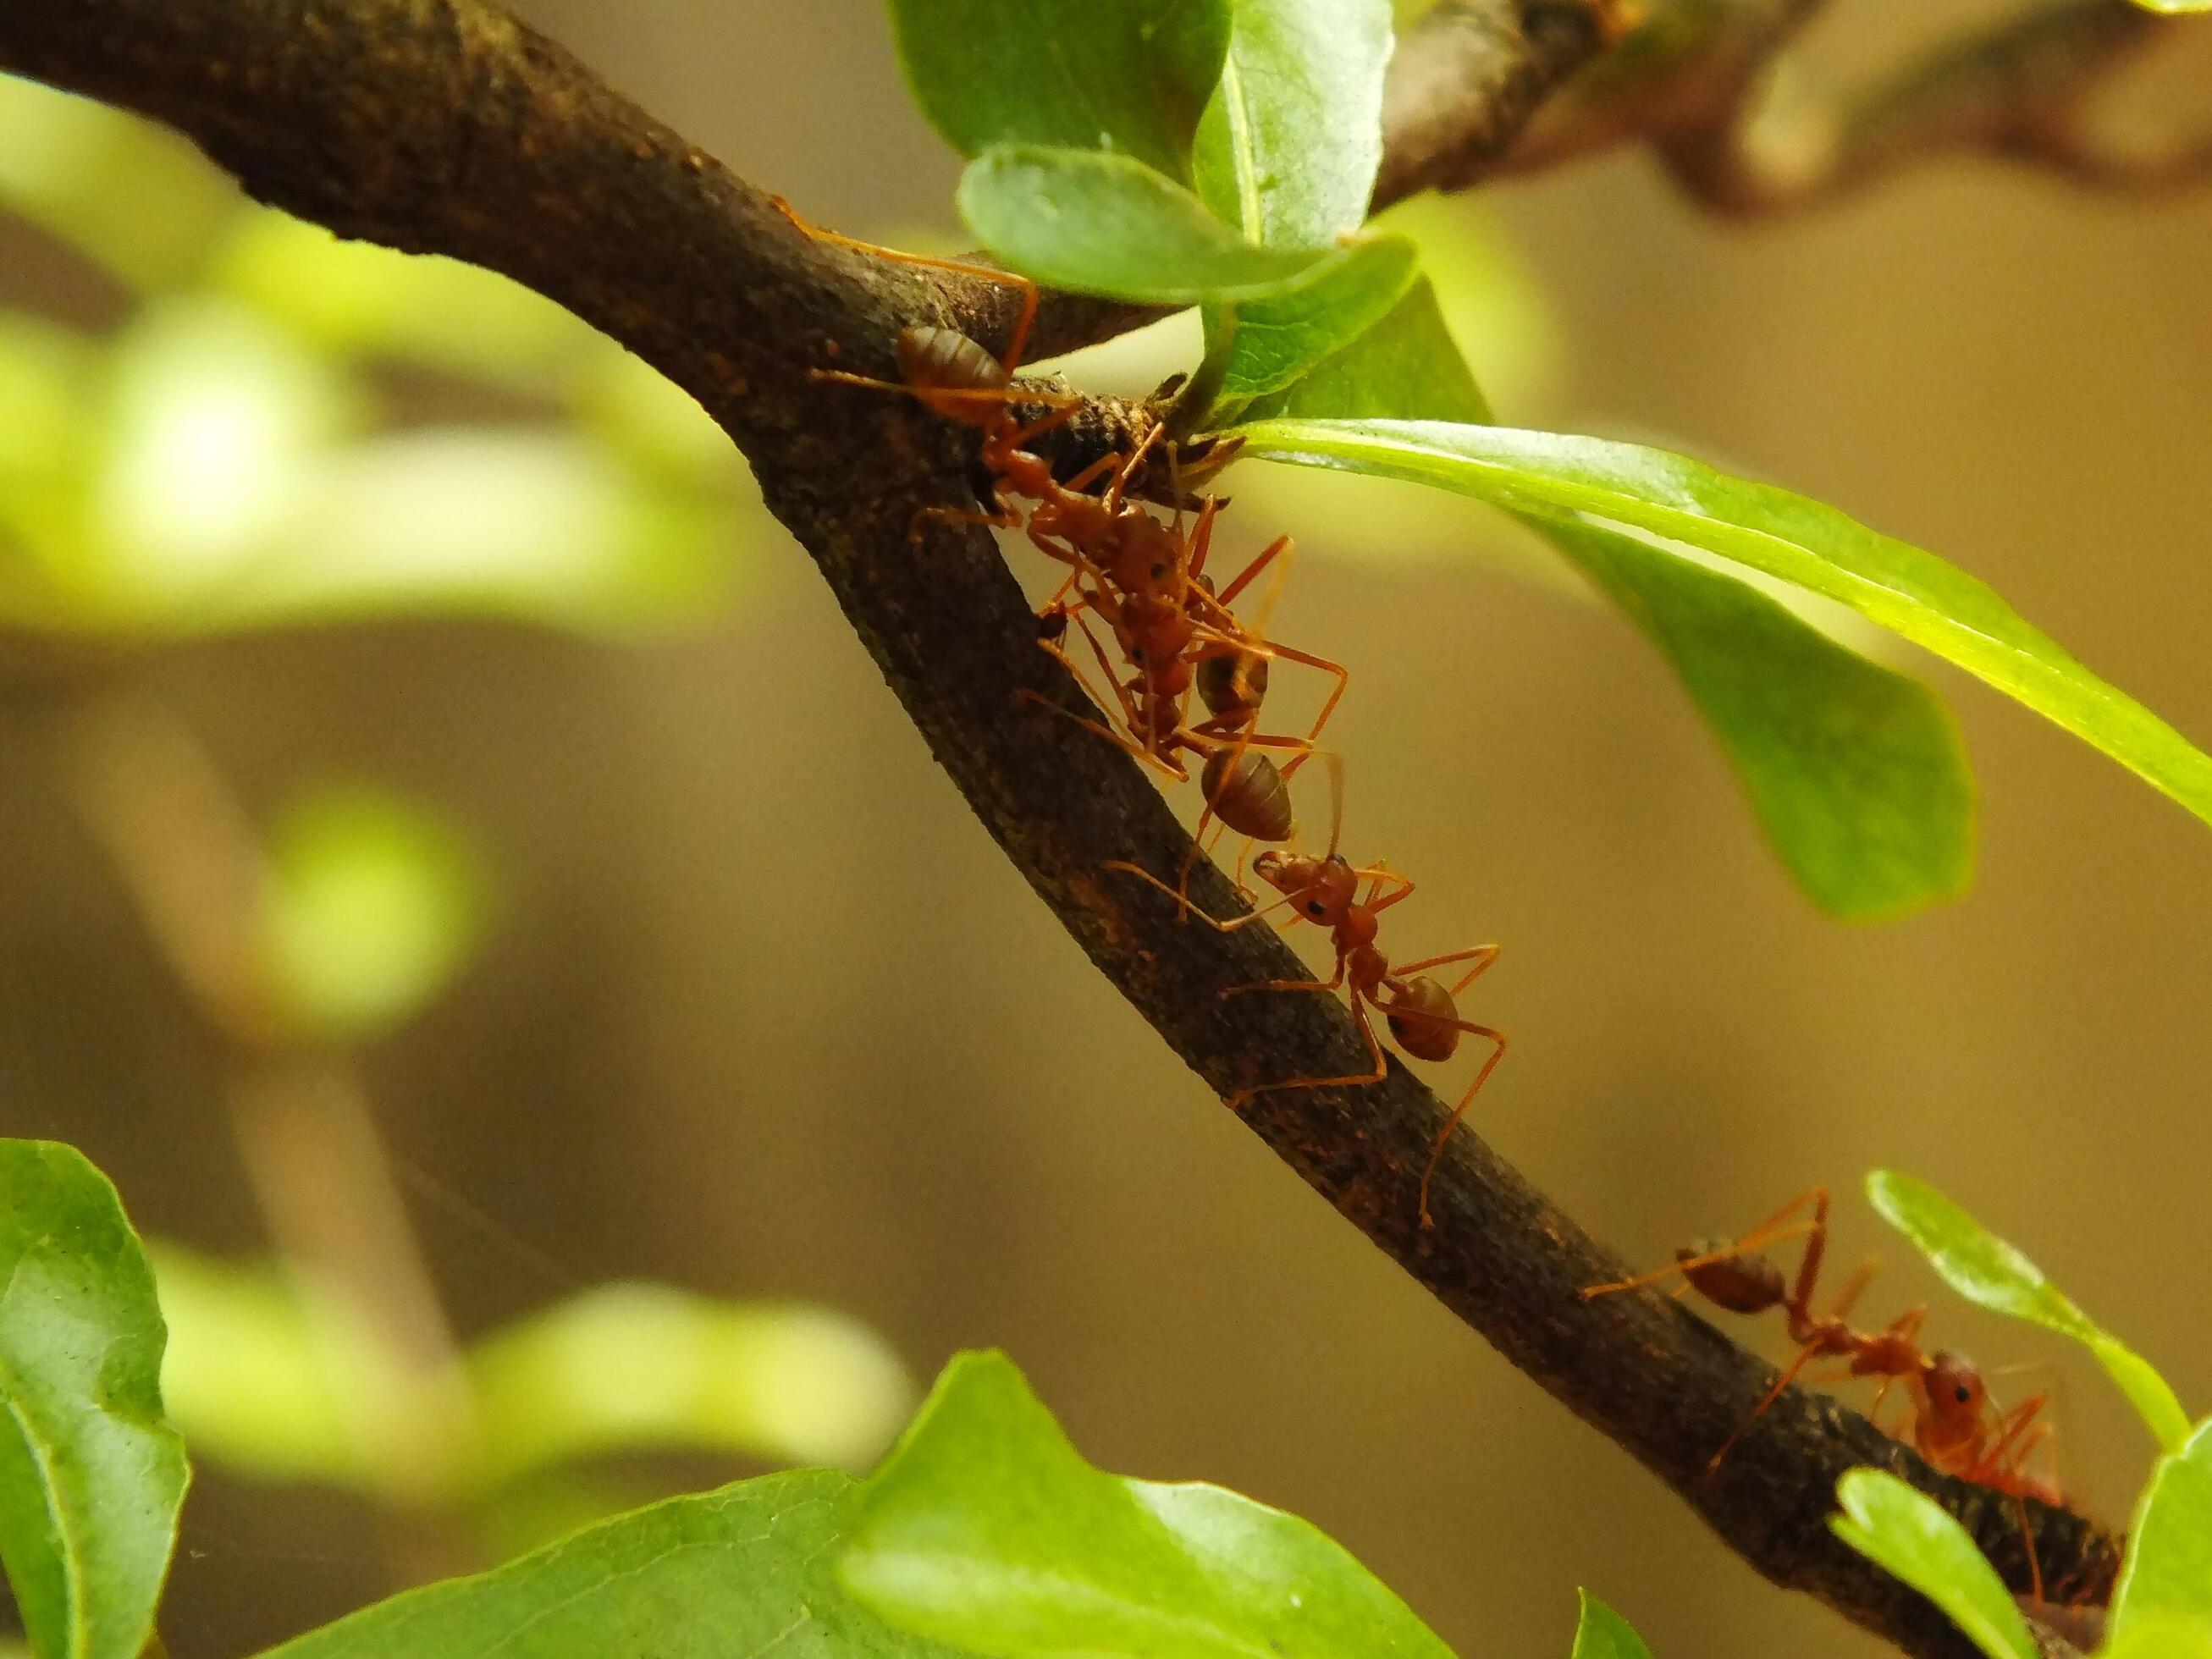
[1328, 984]
[1135, 750]
[1279, 548]
[1760, 1410]
[1799, 1305]
[1009, 520]
[2027, 1541]
[1401, 887]
[1214, 922]
[1444, 1134]
[2011, 1425]
[1244, 860]
[1118, 489]
[1129, 745]
[1202, 543]
[968, 268]
[1081, 483]
[1772, 1231]
[1065, 406]
[1480, 955]
[845, 377]
[1854, 1288]
[2007, 1473]
[1059, 653]
[1336, 695]
[1235, 1101]
[1197, 847]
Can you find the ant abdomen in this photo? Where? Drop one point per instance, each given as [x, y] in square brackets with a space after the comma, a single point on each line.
[944, 360]
[1233, 682]
[1247, 793]
[1418, 1016]
[1741, 1284]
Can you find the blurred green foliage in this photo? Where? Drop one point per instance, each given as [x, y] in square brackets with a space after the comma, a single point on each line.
[232, 457]
[265, 1369]
[371, 906]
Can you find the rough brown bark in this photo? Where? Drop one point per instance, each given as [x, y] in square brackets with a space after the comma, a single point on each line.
[446, 126]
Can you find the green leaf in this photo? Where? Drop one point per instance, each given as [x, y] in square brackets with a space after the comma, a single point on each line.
[1290, 141]
[2175, 7]
[1407, 365]
[1769, 530]
[1130, 77]
[1990, 1272]
[2168, 1574]
[1105, 224]
[986, 1528]
[742, 1571]
[1601, 1634]
[1271, 343]
[91, 1478]
[626, 1367]
[1856, 772]
[1912, 1536]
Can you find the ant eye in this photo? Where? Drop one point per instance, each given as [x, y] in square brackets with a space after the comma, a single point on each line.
[1963, 1394]
[1314, 907]
[1158, 571]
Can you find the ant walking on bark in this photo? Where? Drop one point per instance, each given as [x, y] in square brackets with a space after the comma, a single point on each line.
[1144, 578]
[1954, 1425]
[1421, 1011]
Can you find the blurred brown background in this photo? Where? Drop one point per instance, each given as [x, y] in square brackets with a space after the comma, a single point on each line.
[766, 1014]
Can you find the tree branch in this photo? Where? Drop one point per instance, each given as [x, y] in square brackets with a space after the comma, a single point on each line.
[444, 125]
[2021, 91]
[1468, 77]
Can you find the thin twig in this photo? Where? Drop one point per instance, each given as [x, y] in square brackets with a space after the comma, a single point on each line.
[182, 843]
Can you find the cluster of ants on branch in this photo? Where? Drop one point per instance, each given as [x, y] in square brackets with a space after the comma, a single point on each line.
[1143, 579]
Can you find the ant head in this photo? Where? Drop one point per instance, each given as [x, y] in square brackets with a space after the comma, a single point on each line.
[1146, 557]
[1954, 1384]
[1322, 888]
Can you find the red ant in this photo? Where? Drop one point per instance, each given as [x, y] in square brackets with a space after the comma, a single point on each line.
[1952, 1427]
[954, 378]
[1190, 639]
[1421, 1011]
[1146, 580]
